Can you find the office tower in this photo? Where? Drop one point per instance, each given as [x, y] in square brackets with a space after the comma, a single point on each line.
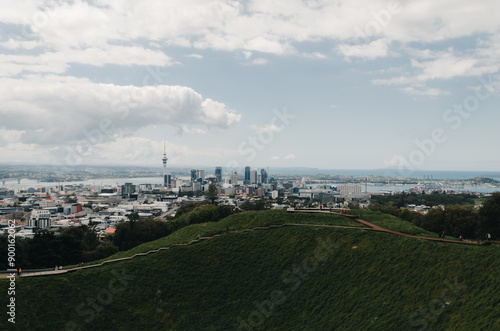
[247, 176]
[234, 178]
[193, 175]
[127, 190]
[201, 174]
[218, 174]
[263, 174]
[253, 176]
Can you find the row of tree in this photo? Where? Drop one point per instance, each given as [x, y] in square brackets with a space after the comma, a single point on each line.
[46, 250]
[135, 232]
[454, 220]
[433, 199]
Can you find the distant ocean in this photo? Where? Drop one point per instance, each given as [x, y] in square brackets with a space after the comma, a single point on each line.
[98, 183]
[450, 175]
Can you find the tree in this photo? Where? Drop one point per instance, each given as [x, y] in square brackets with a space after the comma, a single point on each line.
[131, 234]
[260, 204]
[489, 217]
[134, 216]
[186, 208]
[212, 193]
[454, 220]
[105, 249]
[90, 239]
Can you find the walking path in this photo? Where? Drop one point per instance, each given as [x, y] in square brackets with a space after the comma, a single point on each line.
[369, 227]
[374, 227]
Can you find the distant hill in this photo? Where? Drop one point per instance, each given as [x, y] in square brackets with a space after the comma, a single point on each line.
[290, 278]
[485, 180]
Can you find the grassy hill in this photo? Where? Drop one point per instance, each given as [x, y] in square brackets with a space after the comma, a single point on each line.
[248, 220]
[291, 278]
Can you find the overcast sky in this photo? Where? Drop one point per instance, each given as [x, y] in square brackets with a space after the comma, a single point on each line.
[358, 84]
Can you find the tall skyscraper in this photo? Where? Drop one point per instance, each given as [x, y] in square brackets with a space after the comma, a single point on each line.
[247, 175]
[263, 174]
[201, 174]
[194, 176]
[218, 174]
[234, 178]
[253, 176]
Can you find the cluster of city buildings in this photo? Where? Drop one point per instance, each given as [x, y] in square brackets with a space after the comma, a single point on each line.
[54, 208]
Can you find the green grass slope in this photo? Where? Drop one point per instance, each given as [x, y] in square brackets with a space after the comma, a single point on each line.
[391, 222]
[236, 222]
[291, 278]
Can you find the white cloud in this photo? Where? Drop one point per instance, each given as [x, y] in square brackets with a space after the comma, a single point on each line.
[247, 55]
[424, 91]
[59, 62]
[440, 65]
[51, 110]
[290, 157]
[394, 162]
[186, 129]
[266, 128]
[314, 55]
[128, 150]
[376, 48]
[143, 151]
[260, 61]
[195, 56]
[92, 32]
[20, 44]
[256, 25]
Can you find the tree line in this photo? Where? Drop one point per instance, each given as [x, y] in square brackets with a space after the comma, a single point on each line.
[47, 249]
[453, 220]
[431, 200]
[135, 232]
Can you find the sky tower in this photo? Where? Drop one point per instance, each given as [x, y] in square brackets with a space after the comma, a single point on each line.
[166, 176]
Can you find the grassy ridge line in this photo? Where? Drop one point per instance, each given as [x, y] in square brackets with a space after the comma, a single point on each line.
[205, 238]
[245, 220]
[253, 219]
[369, 282]
[391, 222]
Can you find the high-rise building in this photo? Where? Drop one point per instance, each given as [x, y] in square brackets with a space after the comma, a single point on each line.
[194, 176]
[247, 175]
[127, 190]
[39, 219]
[349, 189]
[166, 176]
[263, 174]
[167, 180]
[234, 178]
[218, 174]
[253, 176]
[201, 174]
